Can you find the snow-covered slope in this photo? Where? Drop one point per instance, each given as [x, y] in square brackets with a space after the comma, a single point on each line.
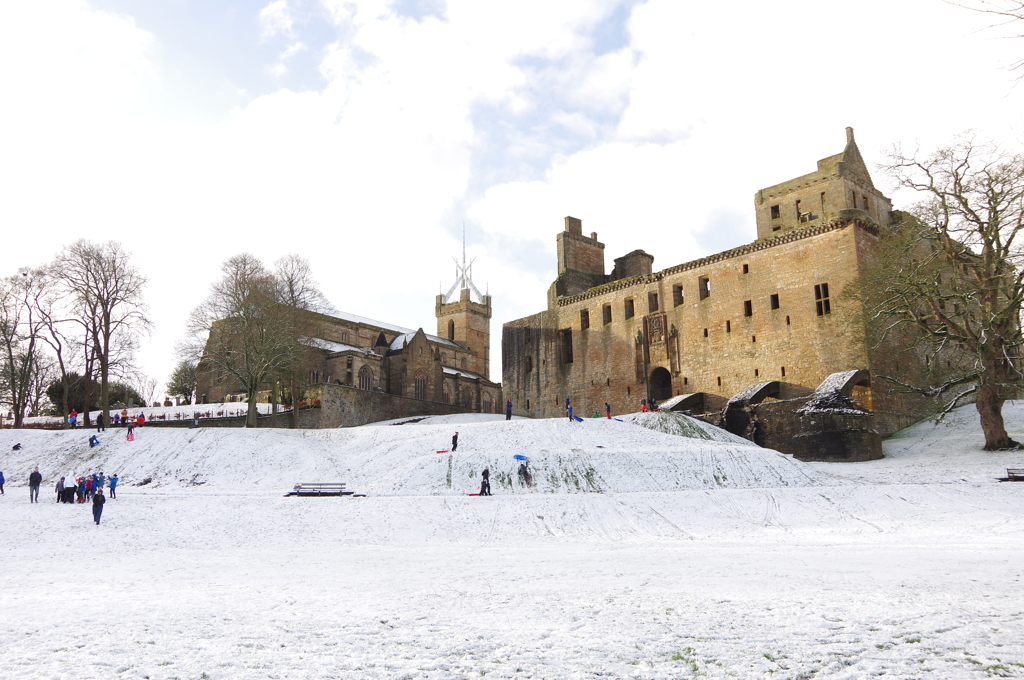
[596, 455]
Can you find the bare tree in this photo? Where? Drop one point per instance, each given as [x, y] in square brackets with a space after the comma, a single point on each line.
[107, 292]
[950, 274]
[20, 327]
[1005, 12]
[243, 330]
[298, 287]
[58, 328]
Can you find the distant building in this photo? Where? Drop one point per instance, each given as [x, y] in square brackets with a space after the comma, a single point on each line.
[360, 370]
[723, 334]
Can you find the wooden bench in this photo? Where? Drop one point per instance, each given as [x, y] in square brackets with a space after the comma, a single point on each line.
[320, 489]
[1013, 475]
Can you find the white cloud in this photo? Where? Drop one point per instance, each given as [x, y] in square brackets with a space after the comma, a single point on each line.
[276, 19]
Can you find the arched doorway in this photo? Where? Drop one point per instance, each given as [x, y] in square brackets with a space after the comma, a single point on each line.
[661, 384]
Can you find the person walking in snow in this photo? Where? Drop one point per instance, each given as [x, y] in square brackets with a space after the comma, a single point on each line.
[2, 480]
[97, 505]
[34, 480]
[455, 441]
[113, 485]
[508, 410]
[567, 406]
[59, 488]
[569, 411]
[99, 423]
[485, 483]
[608, 410]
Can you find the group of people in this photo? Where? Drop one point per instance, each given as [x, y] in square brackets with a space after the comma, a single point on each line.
[117, 420]
[83, 489]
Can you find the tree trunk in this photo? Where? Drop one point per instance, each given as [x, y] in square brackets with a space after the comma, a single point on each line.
[990, 408]
[250, 415]
[295, 407]
[273, 402]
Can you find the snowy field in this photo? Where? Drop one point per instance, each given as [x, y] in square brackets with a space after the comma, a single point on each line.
[653, 548]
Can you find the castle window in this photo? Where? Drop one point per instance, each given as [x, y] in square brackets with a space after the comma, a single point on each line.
[746, 268]
[348, 362]
[799, 215]
[463, 362]
[776, 228]
[421, 385]
[629, 309]
[487, 405]
[446, 394]
[608, 382]
[627, 390]
[821, 300]
[565, 338]
[783, 371]
[719, 381]
[365, 378]
[526, 333]
[822, 201]
[705, 332]
[753, 338]
[703, 287]
[677, 296]
[584, 319]
[527, 404]
[776, 213]
[652, 302]
[421, 350]
[748, 308]
[529, 364]
[774, 298]
[348, 377]
[344, 337]
[444, 357]
[686, 380]
[755, 372]
[787, 320]
[728, 326]
[606, 314]
[451, 330]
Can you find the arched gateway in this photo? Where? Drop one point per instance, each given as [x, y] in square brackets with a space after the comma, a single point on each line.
[661, 384]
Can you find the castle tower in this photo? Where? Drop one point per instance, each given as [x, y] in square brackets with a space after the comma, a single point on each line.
[841, 188]
[464, 316]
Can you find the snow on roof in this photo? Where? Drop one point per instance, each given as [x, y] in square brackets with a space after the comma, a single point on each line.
[462, 373]
[400, 340]
[354, 318]
[331, 346]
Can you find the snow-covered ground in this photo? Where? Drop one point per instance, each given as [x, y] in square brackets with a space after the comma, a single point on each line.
[637, 553]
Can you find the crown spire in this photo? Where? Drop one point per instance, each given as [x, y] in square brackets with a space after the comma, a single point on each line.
[463, 276]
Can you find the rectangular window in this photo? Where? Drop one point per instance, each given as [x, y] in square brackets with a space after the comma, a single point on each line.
[652, 302]
[705, 332]
[783, 371]
[755, 372]
[677, 296]
[748, 308]
[821, 300]
[526, 334]
[529, 364]
[799, 214]
[584, 319]
[629, 309]
[565, 335]
[776, 212]
[704, 287]
[728, 326]
[606, 314]
[746, 269]
[774, 300]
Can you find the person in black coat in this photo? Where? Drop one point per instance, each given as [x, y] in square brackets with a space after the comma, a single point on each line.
[508, 410]
[97, 505]
[485, 483]
[34, 480]
[99, 423]
[455, 441]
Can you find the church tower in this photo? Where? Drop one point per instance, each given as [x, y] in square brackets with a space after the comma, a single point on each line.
[464, 316]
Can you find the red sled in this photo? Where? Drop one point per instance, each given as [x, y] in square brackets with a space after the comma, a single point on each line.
[131, 437]
[472, 494]
[445, 451]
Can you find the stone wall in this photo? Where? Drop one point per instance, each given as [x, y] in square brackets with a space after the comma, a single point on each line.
[759, 322]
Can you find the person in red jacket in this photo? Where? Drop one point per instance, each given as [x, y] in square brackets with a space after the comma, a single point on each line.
[141, 420]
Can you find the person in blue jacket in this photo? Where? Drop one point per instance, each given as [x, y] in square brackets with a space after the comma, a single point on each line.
[508, 410]
[2, 480]
[113, 485]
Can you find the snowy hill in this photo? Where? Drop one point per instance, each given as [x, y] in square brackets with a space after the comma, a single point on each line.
[597, 455]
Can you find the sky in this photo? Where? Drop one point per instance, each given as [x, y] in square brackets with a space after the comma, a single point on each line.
[364, 135]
